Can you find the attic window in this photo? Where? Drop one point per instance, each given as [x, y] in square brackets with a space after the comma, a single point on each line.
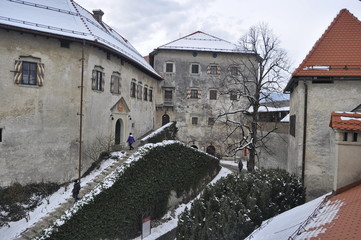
[64, 44]
[169, 67]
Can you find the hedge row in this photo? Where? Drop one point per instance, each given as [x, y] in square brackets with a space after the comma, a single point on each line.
[237, 204]
[144, 187]
[169, 133]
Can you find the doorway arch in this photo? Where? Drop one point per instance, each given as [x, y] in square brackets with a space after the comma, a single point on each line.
[165, 119]
[118, 131]
[211, 150]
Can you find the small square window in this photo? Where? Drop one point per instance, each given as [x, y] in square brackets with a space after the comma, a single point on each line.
[194, 121]
[233, 96]
[213, 94]
[210, 121]
[195, 68]
[168, 95]
[169, 67]
[234, 71]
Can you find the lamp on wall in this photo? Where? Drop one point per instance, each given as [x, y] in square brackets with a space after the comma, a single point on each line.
[130, 118]
[111, 117]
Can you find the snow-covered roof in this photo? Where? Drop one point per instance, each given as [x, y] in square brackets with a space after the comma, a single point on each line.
[270, 109]
[68, 19]
[200, 41]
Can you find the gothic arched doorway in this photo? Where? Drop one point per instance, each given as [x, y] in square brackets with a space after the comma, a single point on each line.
[118, 131]
[211, 150]
[165, 119]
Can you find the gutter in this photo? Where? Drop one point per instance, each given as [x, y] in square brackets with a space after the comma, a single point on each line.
[304, 131]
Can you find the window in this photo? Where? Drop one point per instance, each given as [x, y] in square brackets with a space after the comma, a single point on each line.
[150, 95]
[195, 68]
[139, 90]
[194, 94]
[214, 69]
[1, 134]
[293, 125]
[194, 121]
[29, 71]
[210, 121]
[98, 78]
[145, 93]
[234, 71]
[354, 137]
[169, 67]
[64, 44]
[345, 134]
[133, 88]
[213, 94]
[233, 96]
[115, 83]
[168, 96]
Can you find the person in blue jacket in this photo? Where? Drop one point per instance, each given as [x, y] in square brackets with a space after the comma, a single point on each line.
[130, 141]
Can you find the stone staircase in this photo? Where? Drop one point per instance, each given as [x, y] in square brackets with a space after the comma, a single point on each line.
[45, 222]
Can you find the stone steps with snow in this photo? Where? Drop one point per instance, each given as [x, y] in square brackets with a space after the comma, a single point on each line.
[51, 217]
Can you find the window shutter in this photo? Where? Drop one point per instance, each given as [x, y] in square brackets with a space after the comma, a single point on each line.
[209, 69]
[188, 94]
[103, 81]
[40, 74]
[218, 70]
[112, 84]
[18, 71]
[94, 79]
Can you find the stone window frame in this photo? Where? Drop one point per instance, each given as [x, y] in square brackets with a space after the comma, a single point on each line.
[133, 88]
[194, 121]
[191, 68]
[167, 67]
[213, 96]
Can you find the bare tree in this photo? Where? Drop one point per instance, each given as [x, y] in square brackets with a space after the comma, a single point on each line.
[252, 80]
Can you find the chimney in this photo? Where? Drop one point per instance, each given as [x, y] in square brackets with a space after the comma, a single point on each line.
[98, 14]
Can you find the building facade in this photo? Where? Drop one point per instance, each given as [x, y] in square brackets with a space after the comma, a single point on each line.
[68, 78]
[328, 80]
[195, 91]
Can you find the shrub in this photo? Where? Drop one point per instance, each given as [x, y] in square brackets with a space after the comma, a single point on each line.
[16, 200]
[237, 204]
[168, 133]
[144, 186]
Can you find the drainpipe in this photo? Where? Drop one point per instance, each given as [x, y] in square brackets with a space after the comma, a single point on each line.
[81, 108]
[304, 131]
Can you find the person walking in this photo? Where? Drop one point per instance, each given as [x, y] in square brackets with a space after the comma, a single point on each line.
[76, 190]
[130, 141]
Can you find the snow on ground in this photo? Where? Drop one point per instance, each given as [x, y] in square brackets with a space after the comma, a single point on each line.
[55, 200]
[170, 225]
[63, 194]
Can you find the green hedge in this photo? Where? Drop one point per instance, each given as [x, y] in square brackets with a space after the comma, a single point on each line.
[237, 204]
[144, 186]
[169, 133]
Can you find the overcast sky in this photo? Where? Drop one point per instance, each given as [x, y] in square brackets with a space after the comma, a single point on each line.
[148, 24]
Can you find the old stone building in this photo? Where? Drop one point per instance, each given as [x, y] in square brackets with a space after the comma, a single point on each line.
[195, 88]
[67, 78]
[328, 80]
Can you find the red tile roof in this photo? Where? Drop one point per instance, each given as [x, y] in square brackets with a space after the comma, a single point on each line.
[339, 48]
[346, 121]
[346, 222]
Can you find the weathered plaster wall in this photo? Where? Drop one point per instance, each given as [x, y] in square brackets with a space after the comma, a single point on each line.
[41, 124]
[348, 162]
[201, 135]
[322, 100]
